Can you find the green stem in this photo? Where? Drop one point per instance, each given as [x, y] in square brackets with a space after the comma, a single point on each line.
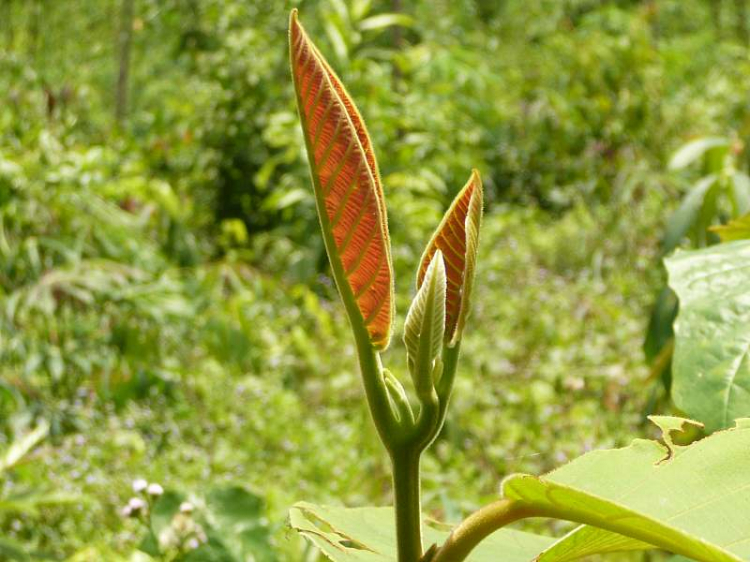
[375, 389]
[406, 490]
[406, 451]
[478, 526]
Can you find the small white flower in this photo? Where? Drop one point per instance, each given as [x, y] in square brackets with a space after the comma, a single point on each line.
[154, 489]
[193, 543]
[139, 485]
[135, 505]
[126, 511]
[186, 507]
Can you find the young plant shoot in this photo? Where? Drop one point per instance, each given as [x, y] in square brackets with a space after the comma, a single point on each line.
[352, 213]
[640, 509]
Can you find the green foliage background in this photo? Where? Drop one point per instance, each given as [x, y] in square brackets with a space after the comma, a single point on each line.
[164, 297]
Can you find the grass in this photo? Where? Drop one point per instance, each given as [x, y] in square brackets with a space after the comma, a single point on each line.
[551, 368]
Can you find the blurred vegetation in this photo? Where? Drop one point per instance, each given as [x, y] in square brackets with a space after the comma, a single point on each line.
[165, 305]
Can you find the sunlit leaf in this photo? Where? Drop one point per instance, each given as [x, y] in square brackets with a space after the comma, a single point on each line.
[711, 369]
[348, 191]
[690, 500]
[425, 325]
[457, 237]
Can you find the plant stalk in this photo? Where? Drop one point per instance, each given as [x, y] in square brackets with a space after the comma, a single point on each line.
[478, 526]
[408, 505]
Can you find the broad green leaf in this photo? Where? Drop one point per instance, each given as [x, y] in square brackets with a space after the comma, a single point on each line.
[457, 237]
[586, 540]
[164, 510]
[234, 506]
[691, 151]
[737, 229]
[687, 213]
[691, 500]
[348, 192]
[425, 326]
[368, 535]
[710, 369]
[239, 524]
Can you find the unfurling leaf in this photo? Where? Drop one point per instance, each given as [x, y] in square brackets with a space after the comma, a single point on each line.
[348, 191]
[425, 326]
[457, 237]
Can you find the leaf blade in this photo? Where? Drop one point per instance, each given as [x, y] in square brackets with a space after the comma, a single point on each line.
[711, 367]
[691, 500]
[367, 534]
[425, 326]
[349, 195]
[457, 237]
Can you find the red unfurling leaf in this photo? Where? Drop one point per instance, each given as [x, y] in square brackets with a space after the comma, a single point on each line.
[457, 237]
[349, 194]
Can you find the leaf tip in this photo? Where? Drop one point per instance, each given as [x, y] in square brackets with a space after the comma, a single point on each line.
[294, 26]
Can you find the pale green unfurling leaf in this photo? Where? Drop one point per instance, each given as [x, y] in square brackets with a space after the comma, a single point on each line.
[425, 326]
